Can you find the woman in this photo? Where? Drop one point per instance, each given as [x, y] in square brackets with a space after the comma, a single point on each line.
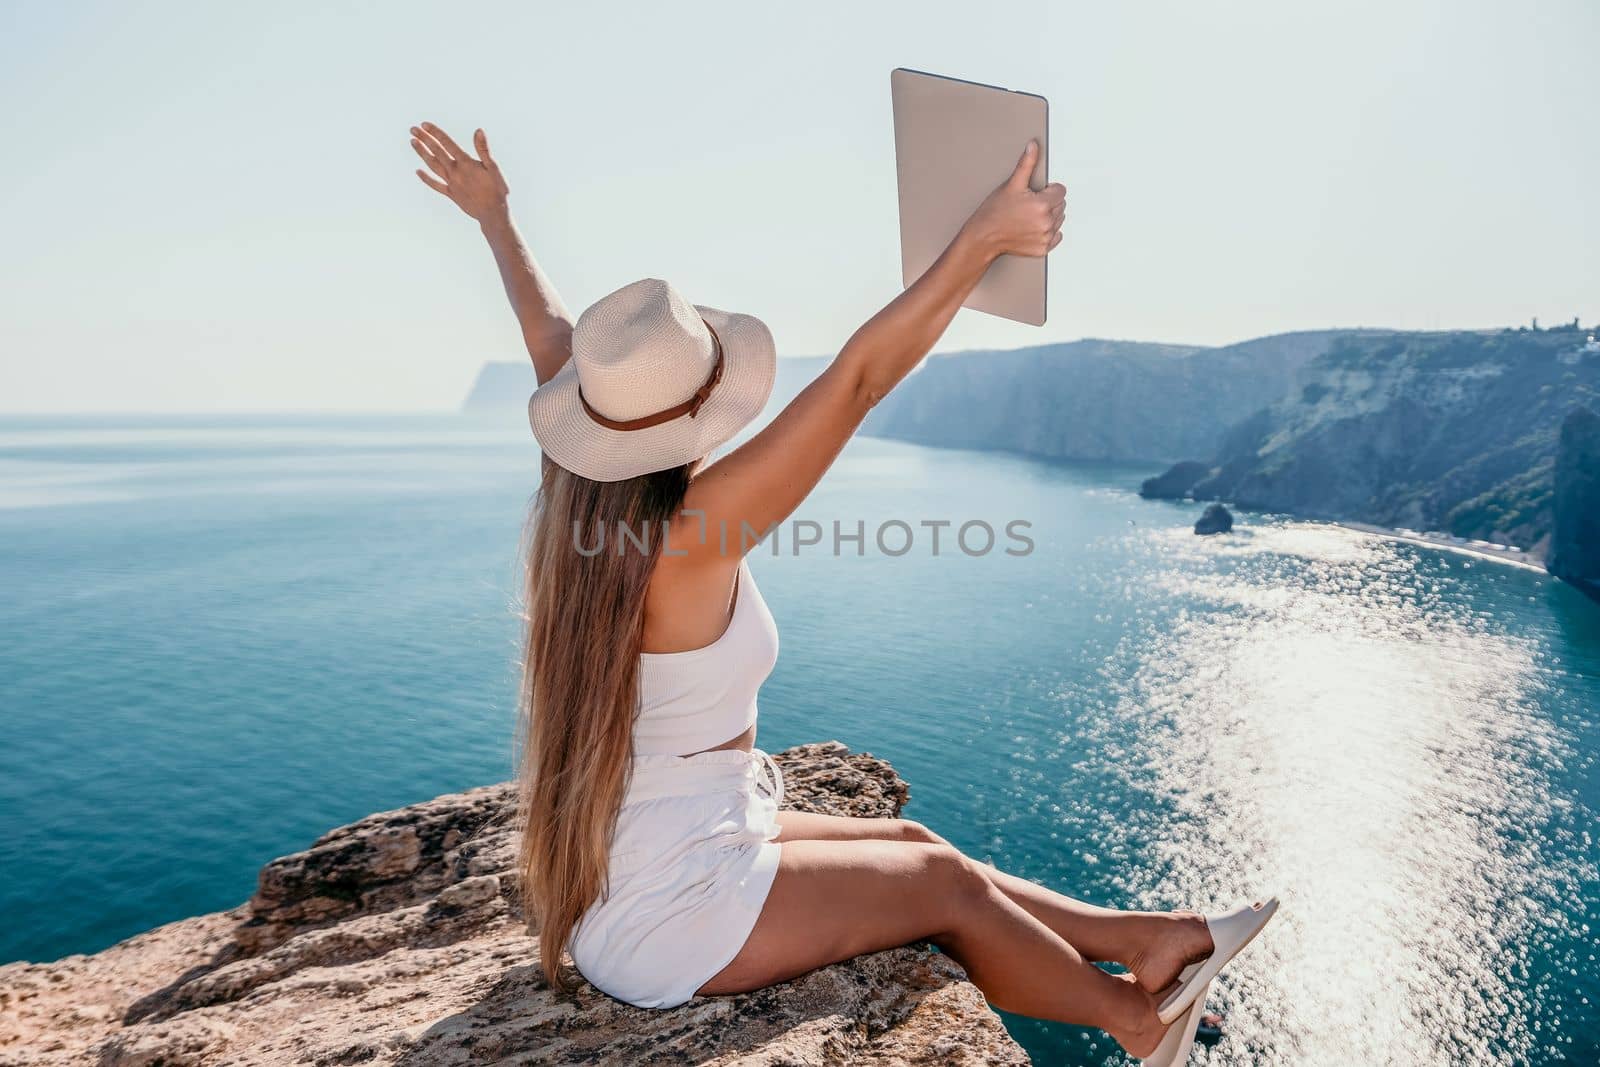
[653, 848]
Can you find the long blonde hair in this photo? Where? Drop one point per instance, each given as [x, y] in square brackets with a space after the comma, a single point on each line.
[584, 615]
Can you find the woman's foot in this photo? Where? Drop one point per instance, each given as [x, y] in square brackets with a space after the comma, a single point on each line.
[1181, 939]
[1141, 1033]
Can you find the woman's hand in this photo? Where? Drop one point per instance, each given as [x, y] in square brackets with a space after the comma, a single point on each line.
[476, 186]
[1016, 220]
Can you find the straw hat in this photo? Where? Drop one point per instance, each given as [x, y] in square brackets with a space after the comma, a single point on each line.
[654, 382]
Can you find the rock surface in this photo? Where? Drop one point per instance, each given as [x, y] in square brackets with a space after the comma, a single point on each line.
[398, 940]
[1214, 519]
[1426, 431]
[1175, 482]
[1575, 542]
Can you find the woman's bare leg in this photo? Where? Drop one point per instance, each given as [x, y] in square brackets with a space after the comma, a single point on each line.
[835, 899]
[1155, 946]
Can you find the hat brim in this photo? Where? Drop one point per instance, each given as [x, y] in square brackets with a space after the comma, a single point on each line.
[575, 441]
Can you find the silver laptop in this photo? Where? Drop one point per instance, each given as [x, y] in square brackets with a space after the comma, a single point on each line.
[954, 141]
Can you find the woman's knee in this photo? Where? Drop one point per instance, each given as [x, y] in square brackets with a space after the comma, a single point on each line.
[960, 881]
[916, 833]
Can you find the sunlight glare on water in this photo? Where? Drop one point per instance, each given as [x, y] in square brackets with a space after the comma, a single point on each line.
[1375, 758]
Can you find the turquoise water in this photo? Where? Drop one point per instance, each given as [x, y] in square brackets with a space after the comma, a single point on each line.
[222, 637]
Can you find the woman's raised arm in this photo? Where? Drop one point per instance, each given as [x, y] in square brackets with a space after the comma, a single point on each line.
[761, 483]
[477, 187]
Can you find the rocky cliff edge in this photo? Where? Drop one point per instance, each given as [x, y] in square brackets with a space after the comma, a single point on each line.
[398, 940]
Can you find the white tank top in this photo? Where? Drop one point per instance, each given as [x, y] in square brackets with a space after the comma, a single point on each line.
[695, 700]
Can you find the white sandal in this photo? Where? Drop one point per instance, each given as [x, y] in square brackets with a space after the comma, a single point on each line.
[1174, 1048]
[1230, 931]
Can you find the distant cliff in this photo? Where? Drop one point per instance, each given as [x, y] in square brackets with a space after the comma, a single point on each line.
[1575, 541]
[1432, 431]
[1095, 400]
[500, 387]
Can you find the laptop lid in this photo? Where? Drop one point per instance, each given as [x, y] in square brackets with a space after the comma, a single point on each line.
[954, 142]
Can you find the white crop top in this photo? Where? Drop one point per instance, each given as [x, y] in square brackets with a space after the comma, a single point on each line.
[695, 700]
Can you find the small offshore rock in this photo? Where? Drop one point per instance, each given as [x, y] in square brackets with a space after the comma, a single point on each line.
[1214, 520]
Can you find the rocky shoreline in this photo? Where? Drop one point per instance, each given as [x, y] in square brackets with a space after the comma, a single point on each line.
[1516, 557]
[1569, 549]
[398, 940]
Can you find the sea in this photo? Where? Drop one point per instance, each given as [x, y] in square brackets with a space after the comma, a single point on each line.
[221, 636]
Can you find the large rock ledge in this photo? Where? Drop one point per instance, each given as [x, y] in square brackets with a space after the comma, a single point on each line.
[398, 940]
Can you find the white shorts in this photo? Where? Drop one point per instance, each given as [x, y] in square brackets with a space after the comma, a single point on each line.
[691, 863]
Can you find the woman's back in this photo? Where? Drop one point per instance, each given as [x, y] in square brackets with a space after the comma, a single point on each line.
[704, 697]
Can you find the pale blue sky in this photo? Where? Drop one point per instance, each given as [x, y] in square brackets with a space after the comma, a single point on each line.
[204, 208]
